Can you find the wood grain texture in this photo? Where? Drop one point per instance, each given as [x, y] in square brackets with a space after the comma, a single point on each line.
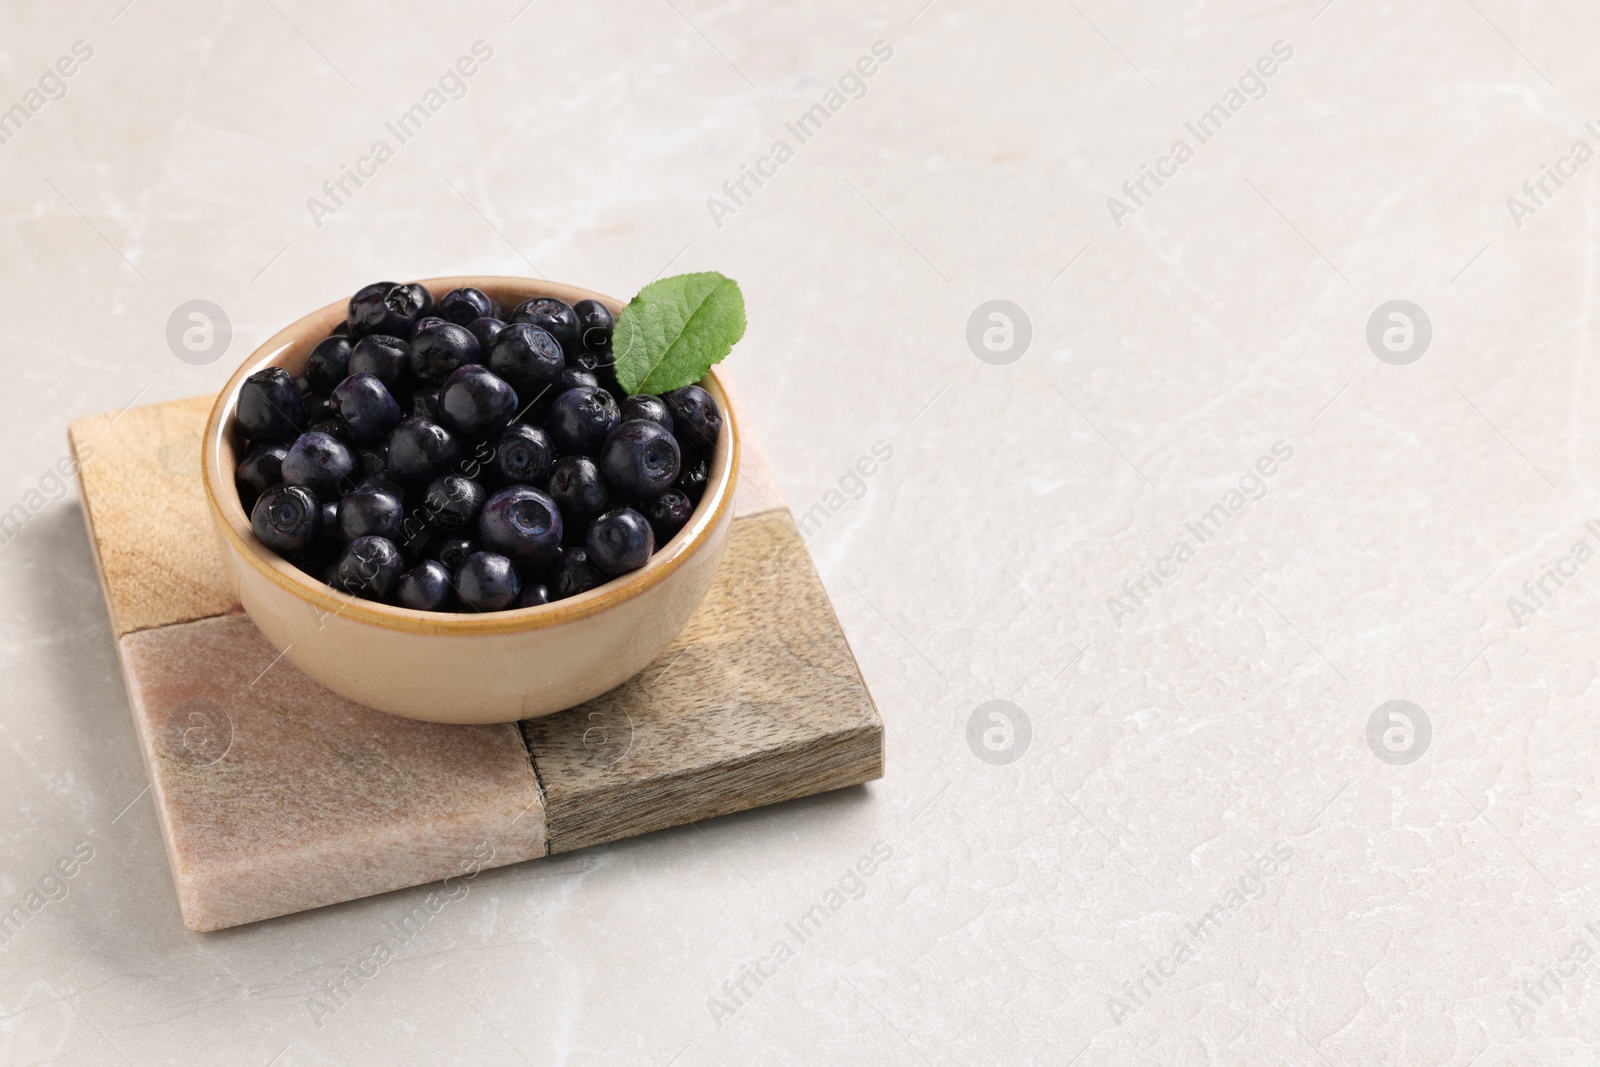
[758, 700]
[276, 795]
[142, 499]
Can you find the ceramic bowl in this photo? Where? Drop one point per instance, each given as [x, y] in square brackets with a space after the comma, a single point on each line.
[463, 668]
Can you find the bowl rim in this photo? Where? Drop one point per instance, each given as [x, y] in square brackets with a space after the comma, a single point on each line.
[230, 519]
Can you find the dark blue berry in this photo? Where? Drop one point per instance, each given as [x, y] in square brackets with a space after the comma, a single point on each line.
[387, 307]
[533, 595]
[695, 419]
[373, 510]
[328, 363]
[461, 306]
[555, 317]
[420, 450]
[645, 406]
[369, 567]
[259, 471]
[440, 349]
[386, 358]
[334, 427]
[578, 489]
[453, 551]
[320, 463]
[423, 296]
[425, 587]
[620, 541]
[367, 406]
[452, 502]
[527, 357]
[580, 419]
[601, 364]
[286, 518]
[475, 402]
[668, 513]
[576, 378]
[524, 455]
[423, 323]
[573, 574]
[487, 582]
[692, 478]
[522, 523]
[595, 323]
[486, 330]
[271, 409]
[328, 536]
[640, 459]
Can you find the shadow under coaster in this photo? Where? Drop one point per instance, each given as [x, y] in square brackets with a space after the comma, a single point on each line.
[276, 796]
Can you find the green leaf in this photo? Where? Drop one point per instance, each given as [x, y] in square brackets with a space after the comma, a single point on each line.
[675, 329]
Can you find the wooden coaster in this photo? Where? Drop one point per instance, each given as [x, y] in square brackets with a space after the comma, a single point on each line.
[276, 796]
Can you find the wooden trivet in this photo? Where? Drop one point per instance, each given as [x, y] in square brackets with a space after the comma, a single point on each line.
[276, 796]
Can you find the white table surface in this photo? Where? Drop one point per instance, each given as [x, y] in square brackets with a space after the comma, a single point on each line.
[1429, 912]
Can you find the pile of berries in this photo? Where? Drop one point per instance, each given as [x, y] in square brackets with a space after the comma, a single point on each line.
[444, 457]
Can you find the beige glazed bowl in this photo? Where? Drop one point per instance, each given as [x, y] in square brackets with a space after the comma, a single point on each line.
[463, 668]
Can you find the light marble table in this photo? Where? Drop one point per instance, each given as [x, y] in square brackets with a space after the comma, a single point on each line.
[1196, 525]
